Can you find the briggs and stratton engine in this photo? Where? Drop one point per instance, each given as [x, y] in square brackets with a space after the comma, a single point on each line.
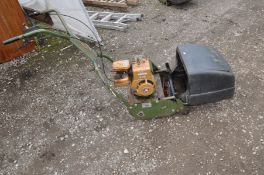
[138, 74]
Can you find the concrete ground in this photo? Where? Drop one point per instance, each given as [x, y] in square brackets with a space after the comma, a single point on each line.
[57, 118]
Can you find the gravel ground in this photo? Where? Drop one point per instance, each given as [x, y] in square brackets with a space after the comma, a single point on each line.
[57, 118]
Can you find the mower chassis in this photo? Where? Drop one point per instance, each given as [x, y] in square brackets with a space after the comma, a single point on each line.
[153, 108]
[201, 76]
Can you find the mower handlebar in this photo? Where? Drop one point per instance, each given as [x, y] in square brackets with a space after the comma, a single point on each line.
[11, 40]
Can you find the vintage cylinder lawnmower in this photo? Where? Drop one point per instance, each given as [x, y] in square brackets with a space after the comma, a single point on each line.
[201, 75]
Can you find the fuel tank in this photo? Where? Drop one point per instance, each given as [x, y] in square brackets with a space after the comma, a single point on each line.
[208, 76]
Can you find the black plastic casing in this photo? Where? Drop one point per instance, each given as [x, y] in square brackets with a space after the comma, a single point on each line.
[178, 1]
[209, 76]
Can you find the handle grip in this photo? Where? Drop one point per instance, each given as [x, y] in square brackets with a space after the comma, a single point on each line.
[11, 40]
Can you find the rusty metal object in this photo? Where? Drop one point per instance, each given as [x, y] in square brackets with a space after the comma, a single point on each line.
[12, 23]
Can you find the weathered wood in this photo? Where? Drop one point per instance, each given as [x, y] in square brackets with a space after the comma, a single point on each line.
[12, 23]
[118, 4]
[132, 2]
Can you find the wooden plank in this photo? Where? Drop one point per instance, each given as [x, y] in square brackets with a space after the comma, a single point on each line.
[132, 2]
[121, 4]
[12, 23]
